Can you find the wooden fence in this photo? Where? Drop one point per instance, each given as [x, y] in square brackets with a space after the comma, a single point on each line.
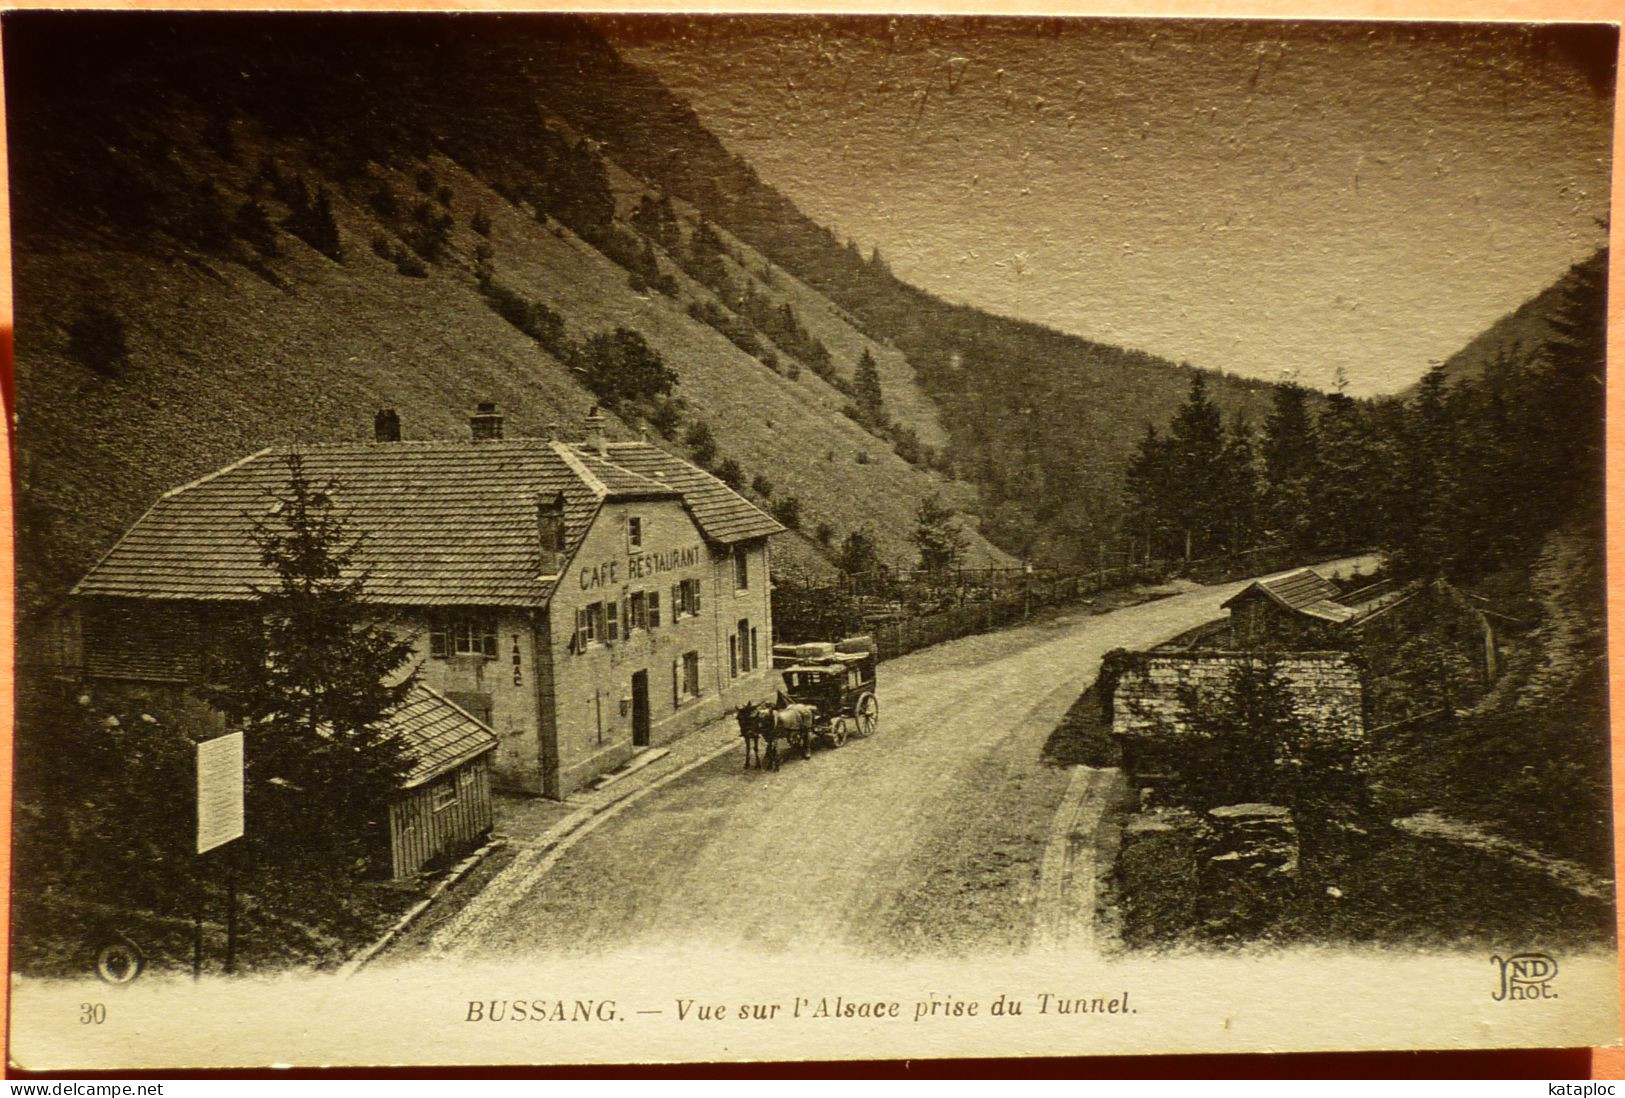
[903, 634]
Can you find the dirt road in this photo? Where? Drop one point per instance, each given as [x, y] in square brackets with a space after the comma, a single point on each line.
[926, 837]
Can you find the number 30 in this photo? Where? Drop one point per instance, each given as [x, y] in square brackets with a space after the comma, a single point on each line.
[92, 1014]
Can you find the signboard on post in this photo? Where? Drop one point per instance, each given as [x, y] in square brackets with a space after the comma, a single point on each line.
[219, 791]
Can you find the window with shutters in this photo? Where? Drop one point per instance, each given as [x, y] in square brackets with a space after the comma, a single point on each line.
[654, 609]
[746, 659]
[463, 636]
[634, 532]
[590, 626]
[691, 675]
[733, 656]
[685, 598]
[638, 616]
[612, 621]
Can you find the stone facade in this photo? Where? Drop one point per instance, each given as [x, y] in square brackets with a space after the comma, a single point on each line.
[563, 711]
[1154, 689]
[649, 683]
[584, 601]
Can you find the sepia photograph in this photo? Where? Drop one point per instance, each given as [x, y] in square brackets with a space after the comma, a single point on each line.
[658, 537]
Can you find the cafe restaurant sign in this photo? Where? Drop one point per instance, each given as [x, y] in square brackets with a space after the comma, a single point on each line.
[639, 566]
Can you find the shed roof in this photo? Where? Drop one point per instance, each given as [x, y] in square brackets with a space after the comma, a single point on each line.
[441, 522]
[438, 734]
[1305, 591]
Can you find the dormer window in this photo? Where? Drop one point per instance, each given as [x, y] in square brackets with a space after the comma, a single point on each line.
[634, 532]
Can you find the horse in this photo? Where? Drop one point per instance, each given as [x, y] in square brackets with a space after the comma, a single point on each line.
[751, 723]
[790, 722]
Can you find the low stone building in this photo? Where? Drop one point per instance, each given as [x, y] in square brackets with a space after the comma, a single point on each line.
[1154, 690]
[1154, 697]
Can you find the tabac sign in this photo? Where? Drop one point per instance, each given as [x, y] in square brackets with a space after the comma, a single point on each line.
[219, 791]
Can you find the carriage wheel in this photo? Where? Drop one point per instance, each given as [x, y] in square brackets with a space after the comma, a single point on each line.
[868, 709]
[837, 731]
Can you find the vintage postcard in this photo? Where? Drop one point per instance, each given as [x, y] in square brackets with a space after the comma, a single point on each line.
[589, 538]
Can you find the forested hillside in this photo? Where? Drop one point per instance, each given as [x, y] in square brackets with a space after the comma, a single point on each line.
[1521, 331]
[1468, 475]
[237, 230]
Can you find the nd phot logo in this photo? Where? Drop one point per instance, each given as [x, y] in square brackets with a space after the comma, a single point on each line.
[1525, 976]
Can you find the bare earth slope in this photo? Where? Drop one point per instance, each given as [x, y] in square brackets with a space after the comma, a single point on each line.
[226, 359]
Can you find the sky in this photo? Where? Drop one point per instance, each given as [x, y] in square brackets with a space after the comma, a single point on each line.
[1322, 201]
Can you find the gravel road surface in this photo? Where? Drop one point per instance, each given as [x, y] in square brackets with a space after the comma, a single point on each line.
[923, 839]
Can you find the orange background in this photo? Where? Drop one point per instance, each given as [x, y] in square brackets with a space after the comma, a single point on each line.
[1603, 1063]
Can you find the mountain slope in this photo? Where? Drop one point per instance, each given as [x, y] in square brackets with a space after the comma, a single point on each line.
[167, 168]
[230, 350]
[1521, 331]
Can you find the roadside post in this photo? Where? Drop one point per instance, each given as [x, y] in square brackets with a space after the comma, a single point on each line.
[219, 822]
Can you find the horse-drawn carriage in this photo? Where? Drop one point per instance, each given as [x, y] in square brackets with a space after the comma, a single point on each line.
[827, 691]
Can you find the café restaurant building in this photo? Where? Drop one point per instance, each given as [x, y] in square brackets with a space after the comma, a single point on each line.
[583, 600]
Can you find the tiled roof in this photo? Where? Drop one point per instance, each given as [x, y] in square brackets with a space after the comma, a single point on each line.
[442, 523]
[1305, 591]
[723, 514]
[438, 735]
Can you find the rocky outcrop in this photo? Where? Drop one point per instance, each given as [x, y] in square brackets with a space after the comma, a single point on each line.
[1249, 866]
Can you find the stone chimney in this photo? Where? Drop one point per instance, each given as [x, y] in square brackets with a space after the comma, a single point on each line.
[550, 532]
[595, 431]
[386, 426]
[486, 422]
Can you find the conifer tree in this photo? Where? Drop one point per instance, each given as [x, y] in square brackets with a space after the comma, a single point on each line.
[937, 535]
[1239, 488]
[1196, 445]
[867, 385]
[859, 555]
[1289, 451]
[312, 676]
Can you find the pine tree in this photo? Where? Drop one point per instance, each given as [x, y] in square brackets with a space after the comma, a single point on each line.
[313, 222]
[867, 385]
[312, 676]
[1566, 412]
[859, 555]
[937, 535]
[1289, 451]
[1196, 444]
[1239, 488]
[1150, 490]
[1347, 482]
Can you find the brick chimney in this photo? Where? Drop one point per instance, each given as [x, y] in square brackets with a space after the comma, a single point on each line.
[386, 426]
[595, 431]
[550, 532]
[486, 422]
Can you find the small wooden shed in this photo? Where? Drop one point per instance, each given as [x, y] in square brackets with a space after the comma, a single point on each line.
[444, 806]
[1297, 610]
